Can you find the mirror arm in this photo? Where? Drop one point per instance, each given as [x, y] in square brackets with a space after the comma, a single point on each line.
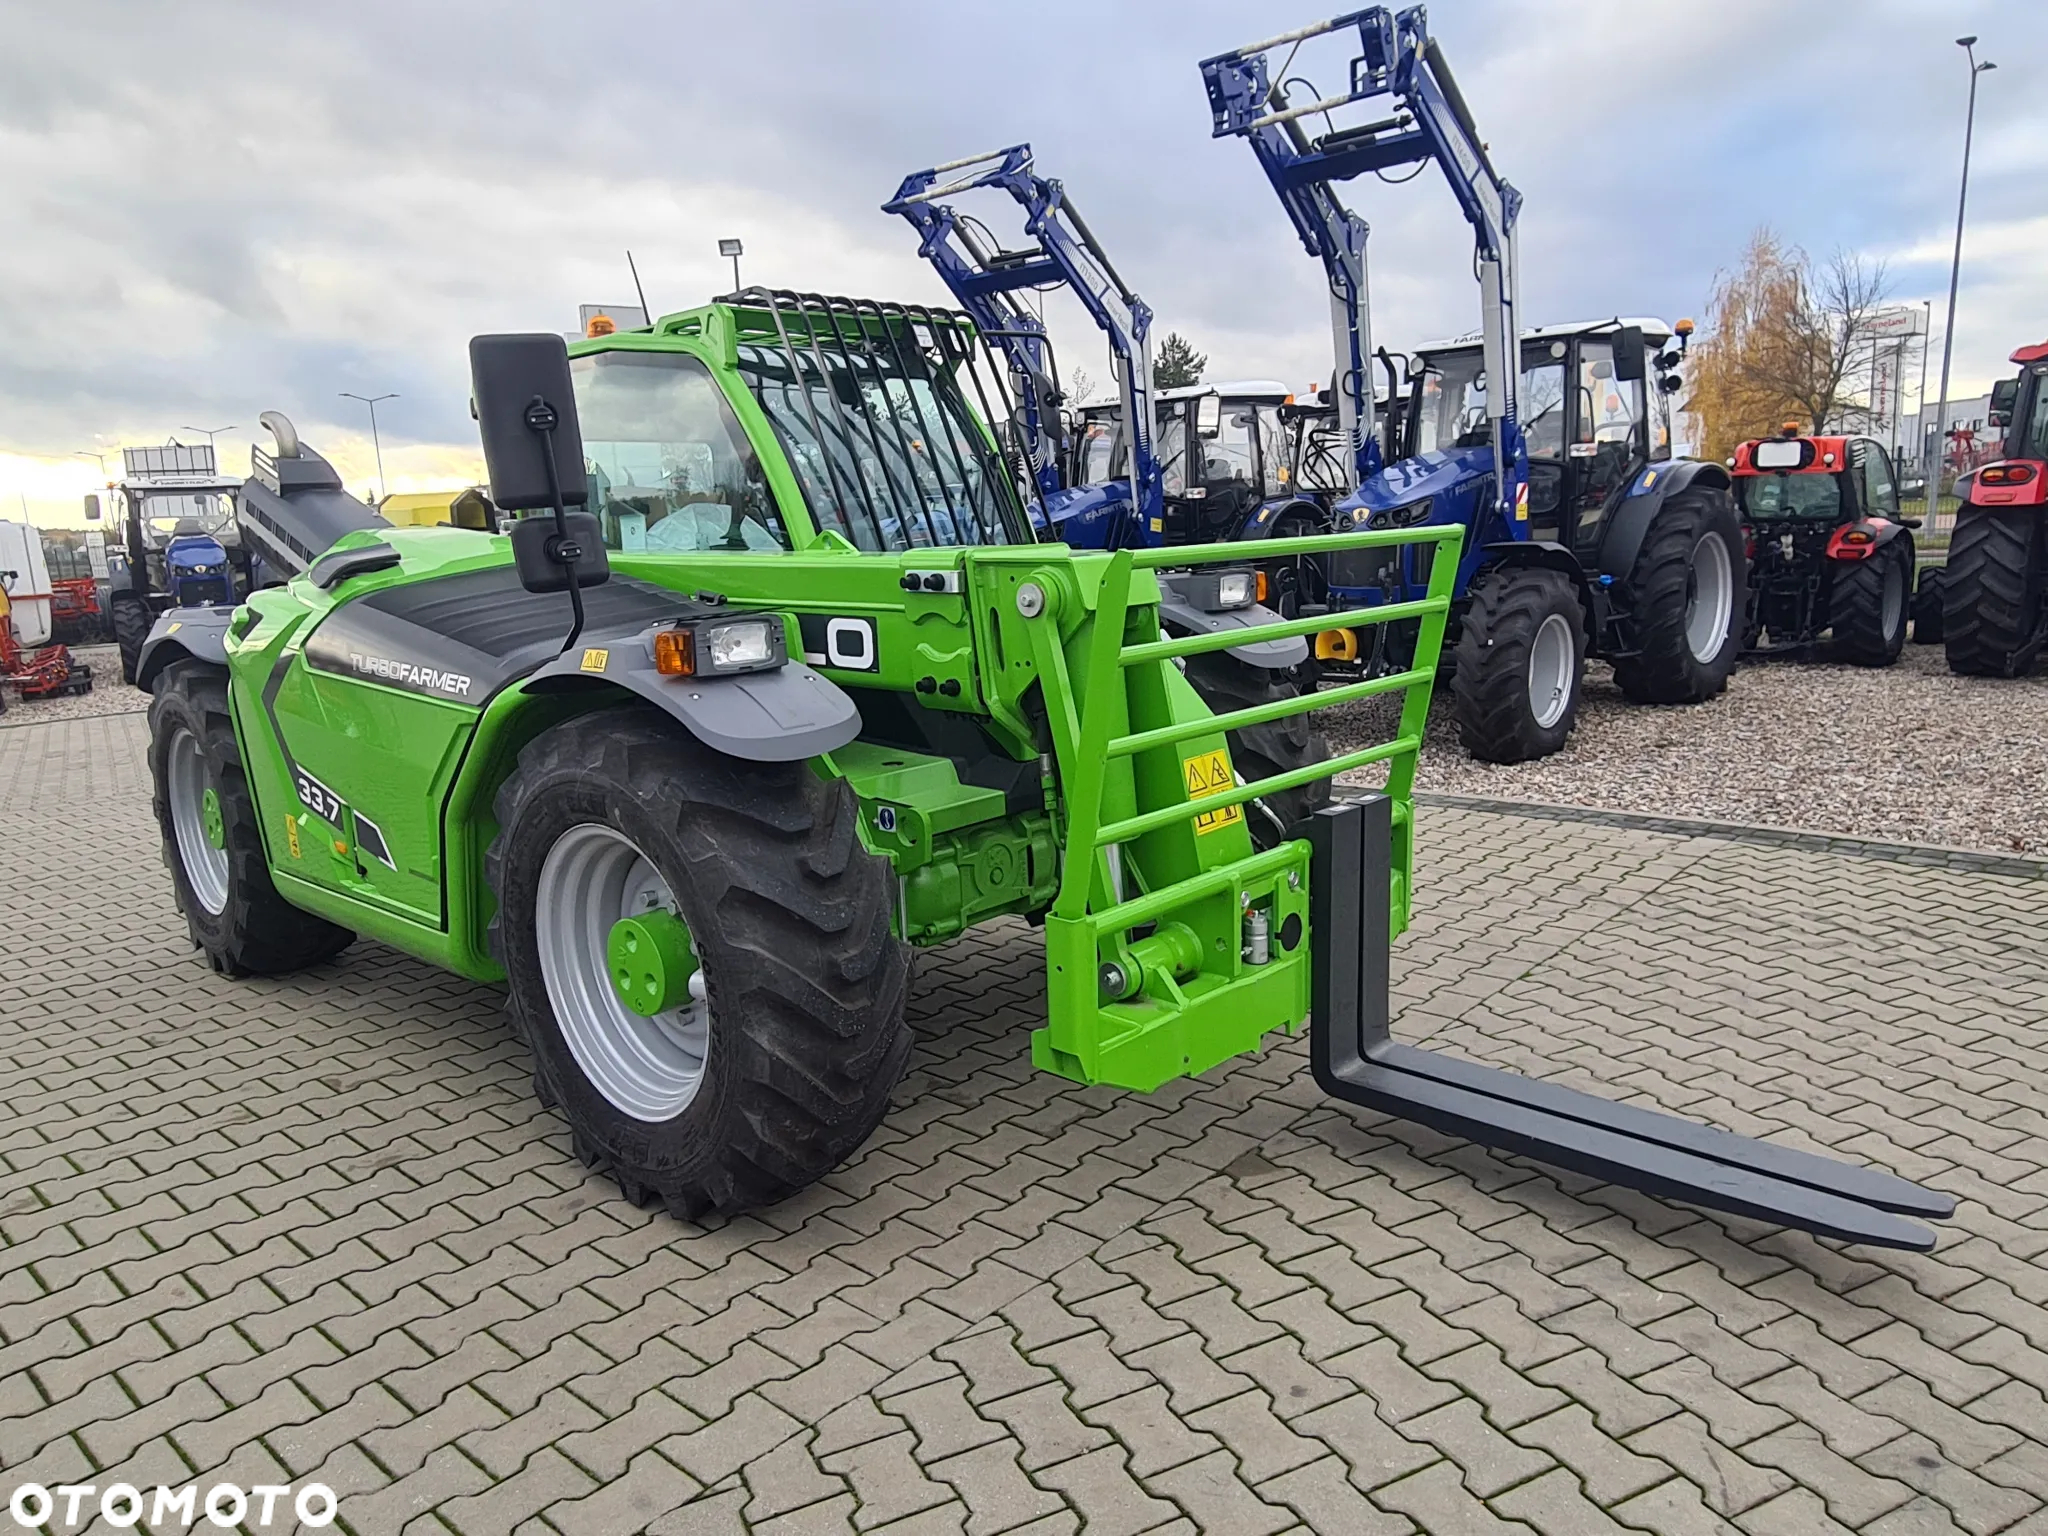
[563, 550]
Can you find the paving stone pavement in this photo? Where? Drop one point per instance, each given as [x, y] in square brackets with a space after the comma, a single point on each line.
[316, 1228]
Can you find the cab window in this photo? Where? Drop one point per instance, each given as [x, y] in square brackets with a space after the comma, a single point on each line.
[1880, 494]
[2034, 441]
[670, 470]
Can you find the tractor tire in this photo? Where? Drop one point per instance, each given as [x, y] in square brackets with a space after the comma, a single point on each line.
[131, 627]
[213, 842]
[1688, 601]
[1260, 751]
[1521, 665]
[1927, 606]
[740, 1094]
[1868, 608]
[1991, 596]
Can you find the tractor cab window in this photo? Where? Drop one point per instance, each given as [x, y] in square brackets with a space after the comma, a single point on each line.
[1098, 451]
[1273, 454]
[1767, 497]
[670, 470]
[167, 513]
[1231, 458]
[1542, 404]
[1880, 494]
[1453, 411]
[887, 450]
[2033, 439]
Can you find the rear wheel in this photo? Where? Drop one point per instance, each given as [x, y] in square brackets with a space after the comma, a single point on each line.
[1520, 662]
[1686, 601]
[213, 843]
[1868, 607]
[699, 957]
[1991, 596]
[131, 628]
[1927, 607]
[1260, 751]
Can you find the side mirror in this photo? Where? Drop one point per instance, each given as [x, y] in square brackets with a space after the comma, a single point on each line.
[92, 509]
[1209, 415]
[545, 554]
[1631, 361]
[526, 413]
[2005, 395]
[1670, 383]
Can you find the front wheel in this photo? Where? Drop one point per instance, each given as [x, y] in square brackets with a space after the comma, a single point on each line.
[213, 842]
[1521, 662]
[1991, 594]
[131, 628]
[1687, 599]
[1869, 607]
[1260, 751]
[699, 957]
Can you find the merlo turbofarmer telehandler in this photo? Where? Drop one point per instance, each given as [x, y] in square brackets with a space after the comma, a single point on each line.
[1994, 589]
[1829, 551]
[769, 684]
[1647, 575]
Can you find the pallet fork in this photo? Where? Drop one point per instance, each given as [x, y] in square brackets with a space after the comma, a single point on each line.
[1356, 1059]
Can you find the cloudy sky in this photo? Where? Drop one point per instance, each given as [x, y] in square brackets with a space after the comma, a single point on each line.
[213, 209]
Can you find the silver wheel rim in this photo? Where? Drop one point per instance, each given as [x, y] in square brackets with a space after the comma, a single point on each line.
[206, 867]
[1893, 612]
[1709, 598]
[648, 1068]
[1550, 671]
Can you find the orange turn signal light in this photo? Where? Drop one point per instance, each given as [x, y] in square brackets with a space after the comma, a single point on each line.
[675, 653]
[2005, 474]
[1263, 586]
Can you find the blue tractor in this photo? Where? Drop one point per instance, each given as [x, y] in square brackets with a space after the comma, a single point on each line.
[1142, 497]
[176, 547]
[1584, 535]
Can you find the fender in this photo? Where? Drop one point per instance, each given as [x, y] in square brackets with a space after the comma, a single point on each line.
[780, 716]
[198, 633]
[1264, 520]
[1275, 655]
[1548, 555]
[1622, 539]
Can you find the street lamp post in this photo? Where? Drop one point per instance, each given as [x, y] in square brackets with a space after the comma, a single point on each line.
[209, 433]
[1948, 338]
[376, 443]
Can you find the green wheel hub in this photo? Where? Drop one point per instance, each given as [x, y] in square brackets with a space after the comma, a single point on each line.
[650, 962]
[210, 819]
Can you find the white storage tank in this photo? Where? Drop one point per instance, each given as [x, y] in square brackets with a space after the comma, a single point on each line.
[26, 578]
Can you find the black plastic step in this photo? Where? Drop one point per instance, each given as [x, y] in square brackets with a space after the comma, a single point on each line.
[1356, 1060]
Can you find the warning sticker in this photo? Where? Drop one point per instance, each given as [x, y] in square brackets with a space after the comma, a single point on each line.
[1208, 773]
[594, 660]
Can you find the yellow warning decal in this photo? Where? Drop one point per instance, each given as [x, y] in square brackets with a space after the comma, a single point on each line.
[594, 659]
[1208, 773]
[291, 834]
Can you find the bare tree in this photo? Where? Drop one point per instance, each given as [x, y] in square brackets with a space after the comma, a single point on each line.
[1785, 343]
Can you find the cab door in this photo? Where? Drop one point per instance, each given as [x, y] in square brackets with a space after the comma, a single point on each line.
[1606, 425]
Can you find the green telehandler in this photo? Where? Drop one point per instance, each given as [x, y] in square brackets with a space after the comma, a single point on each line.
[771, 683]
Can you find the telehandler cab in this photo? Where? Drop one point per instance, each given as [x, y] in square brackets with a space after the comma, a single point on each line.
[770, 684]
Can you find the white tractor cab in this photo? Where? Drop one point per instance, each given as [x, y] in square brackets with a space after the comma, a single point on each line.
[1225, 454]
[1586, 430]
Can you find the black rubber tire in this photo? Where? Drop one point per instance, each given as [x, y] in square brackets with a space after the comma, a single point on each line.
[258, 932]
[1991, 597]
[132, 623]
[789, 916]
[1927, 606]
[1260, 751]
[1664, 669]
[1490, 688]
[1856, 607]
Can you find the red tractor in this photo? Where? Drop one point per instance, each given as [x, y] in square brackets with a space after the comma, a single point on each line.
[1993, 617]
[1829, 553]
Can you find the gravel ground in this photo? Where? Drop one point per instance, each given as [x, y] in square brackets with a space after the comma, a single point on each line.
[1910, 753]
[109, 696]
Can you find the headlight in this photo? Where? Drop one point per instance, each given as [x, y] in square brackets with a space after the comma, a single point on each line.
[1215, 591]
[715, 647]
[1404, 517]
[736, 647]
